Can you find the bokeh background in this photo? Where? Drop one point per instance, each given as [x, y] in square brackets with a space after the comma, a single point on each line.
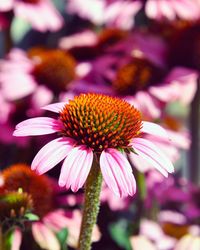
[146, 52]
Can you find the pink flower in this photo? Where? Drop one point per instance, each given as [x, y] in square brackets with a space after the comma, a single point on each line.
[30, 74]
[170, 10]
[114, 202]
[167, 91]
[154, 232]
[41, 14]
[42, 191]
[118, 13]
[72, 221]
[178, 78]
[95, 125]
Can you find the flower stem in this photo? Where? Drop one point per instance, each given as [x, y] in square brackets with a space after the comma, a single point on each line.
[91, 206]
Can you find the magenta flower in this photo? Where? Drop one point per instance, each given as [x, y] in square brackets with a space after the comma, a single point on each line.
[95, 125]
[42, 15]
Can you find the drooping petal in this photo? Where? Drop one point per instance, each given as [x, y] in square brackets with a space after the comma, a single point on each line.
[37, 126]
[154, 129]
[153, 155]
[55, 107]
[17, 239]
[117, 172]
[45, 238]
[76, 167]
[51, 154]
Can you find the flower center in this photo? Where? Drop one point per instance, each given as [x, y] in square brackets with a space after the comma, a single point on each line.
[172, 123]
[135, 76]
[14, 205]
[174, 230]
[38, 187]
[100, 121]
[54, 68]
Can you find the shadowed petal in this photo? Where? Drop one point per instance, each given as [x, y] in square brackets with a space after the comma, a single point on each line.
[37, 126]
[45, 238]
[117, 173]
[17, 239]
[76, 168]
[55, 107]
[154, 129]
[153, 155]
[51, 154]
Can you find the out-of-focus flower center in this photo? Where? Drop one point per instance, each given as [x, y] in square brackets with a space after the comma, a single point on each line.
[31, 1]
[14, 204]
[135, 76]
[54, 68]
[38, 187]
[176, 231]
[100, 121]
[111, 36]
[172, 123]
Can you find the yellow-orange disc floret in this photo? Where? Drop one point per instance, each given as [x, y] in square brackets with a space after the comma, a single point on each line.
[38, 187]
[100, 121]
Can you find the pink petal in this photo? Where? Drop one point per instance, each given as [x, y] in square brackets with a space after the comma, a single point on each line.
[55, 107]
[153, 155]
[86, 38]
[37, 126]
[76, 168]
[154, 129]
[45, 238]
[140, 242]
[51, 154]
[117, 173]
[151, 9]
[17, 239]
[167, 10]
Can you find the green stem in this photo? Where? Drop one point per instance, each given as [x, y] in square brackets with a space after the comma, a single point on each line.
[91, 206]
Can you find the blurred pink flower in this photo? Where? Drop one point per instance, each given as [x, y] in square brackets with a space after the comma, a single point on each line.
[72, 221]
[155, 97]
[52, 219]
[170, 10]
[78, 146]
[178, 78]
[153, 232]
[39, 74]
[41, 14]
[114, 202]
[118, 13]
[188, 242]
[166, 232]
